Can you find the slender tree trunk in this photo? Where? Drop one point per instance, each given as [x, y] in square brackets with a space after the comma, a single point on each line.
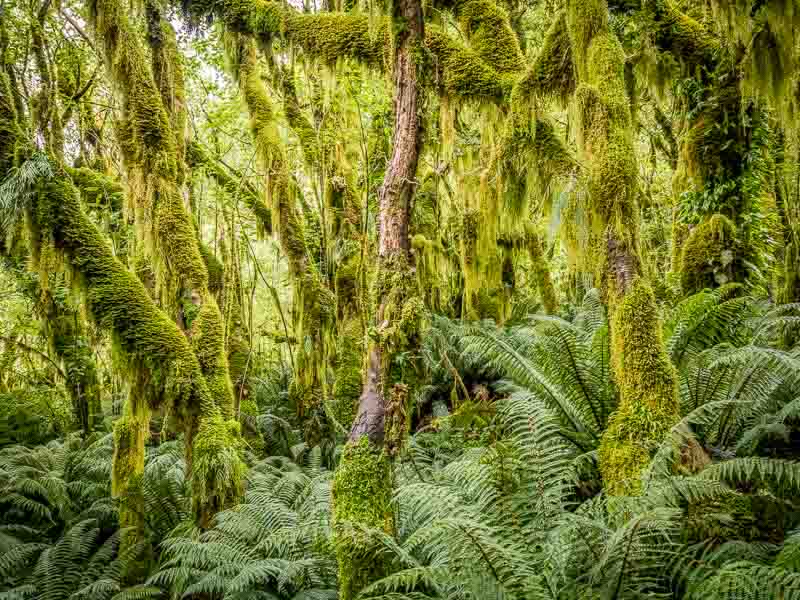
[395, 198]
[362, 487]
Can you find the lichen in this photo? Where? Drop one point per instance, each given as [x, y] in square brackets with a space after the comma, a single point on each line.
[362, 496]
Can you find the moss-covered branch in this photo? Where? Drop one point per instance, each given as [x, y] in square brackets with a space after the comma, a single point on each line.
[458, 70]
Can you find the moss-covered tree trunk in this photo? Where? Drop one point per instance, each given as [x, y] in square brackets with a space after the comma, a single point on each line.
[151, 137]
[362, 486]
[644, 374]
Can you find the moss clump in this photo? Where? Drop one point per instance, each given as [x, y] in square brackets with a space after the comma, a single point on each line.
[708, 255]
[10, 135]
[461, 74]
[98, 189]
[217, 468]
[647, 383]
[553, 74]
[489, 32]
[362, 495]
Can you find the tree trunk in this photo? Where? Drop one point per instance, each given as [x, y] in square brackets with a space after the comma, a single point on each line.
[642, 369]
[362, 487]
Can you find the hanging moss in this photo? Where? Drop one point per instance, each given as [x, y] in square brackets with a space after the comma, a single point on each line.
[10, 134]
[68, 342]
[707, 258]
[217, 469]
[362, 495]
[647, 383]
[541, 274]
[642, 369]
[236, 187]
[216, 274]
[314, 304]
[460, 73]
[150, 149]
[167, 65]
[301, 126]
[119, 303]
[329, 37]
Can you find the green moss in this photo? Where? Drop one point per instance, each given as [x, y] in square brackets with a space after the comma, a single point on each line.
[585, 19]
[151, 151]
[647, 383]
[158, 353]
[791, 288]
[553, 73]
[302, 127]
[459, 72]
[98, 189]
[67, 337]
[684, 37]
[208, 340]
[362, 496]
[179, 264]
[348, 375]
[235, 186]
[330, 37]
[10, 134]
[489, 32]
[708, 255]
[216, 270]
[130, 434]
[167, 65]
[541, 274]
[217, 468]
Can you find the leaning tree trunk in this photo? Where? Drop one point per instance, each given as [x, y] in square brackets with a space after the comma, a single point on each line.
[642, 368]
[362, 487]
